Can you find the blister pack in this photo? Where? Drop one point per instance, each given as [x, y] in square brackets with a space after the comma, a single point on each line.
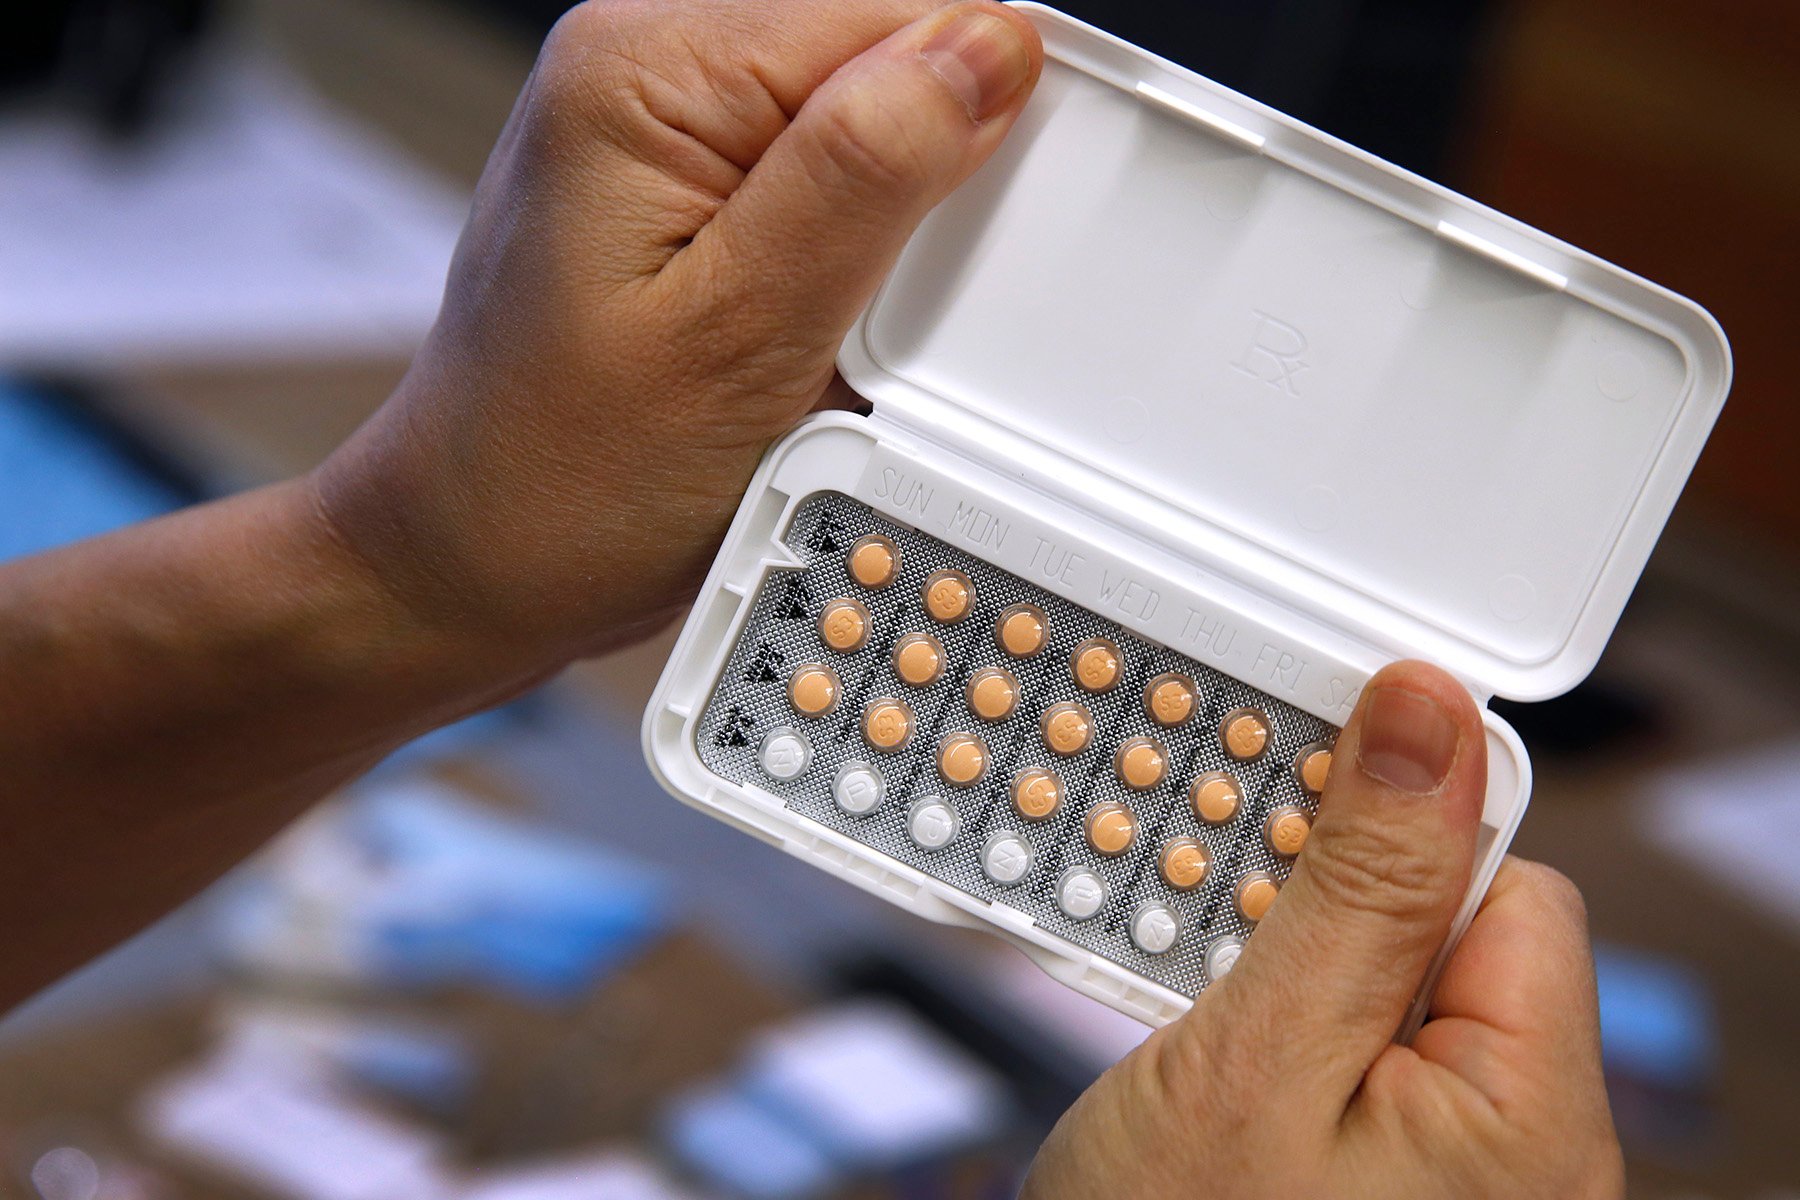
[1015, 745]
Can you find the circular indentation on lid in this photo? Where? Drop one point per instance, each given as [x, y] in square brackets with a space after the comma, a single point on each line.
[887, 723]
[813, 689]
[1141, 763]
[1154, 927]
[1229, 189]
[1080, 893]
[993, 693]
[1285, 830]
[918, 659]
[1110, 828]
[1311, 767]
[1244, 732]
[1620, 376]
[844, 625]
[1512, 597]
[1096, 664]
[1022, 630]
[1005, 857]
[1183, 862]
[1317, 508]
[1068, 727]
[948, 596]
[932, 823]
[962, 759]
[858, 788]
[1422, 283]
[1170, 698]
[1125, 419]
[874, 560]
[1216, 797]
[1036, 793]
[784, 753]
[1254, 893]
[1222, 955]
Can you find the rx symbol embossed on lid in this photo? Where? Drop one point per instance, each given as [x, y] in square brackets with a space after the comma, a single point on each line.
[1273, 353]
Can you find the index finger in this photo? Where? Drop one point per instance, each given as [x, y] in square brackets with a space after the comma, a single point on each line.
[1518, 995]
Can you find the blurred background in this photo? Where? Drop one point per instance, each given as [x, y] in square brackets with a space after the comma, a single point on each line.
[506, 965]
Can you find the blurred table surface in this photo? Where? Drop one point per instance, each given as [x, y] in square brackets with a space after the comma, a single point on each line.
[1712, 640]
[552, 1080]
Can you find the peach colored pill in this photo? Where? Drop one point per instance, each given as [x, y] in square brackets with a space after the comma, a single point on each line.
[1170, 698]
[887, 723]
[1215, 797]
[1141, 763]
[1036, 793]
[1068, 727]
[1285, 830]
[1183, 863]
[1312, 766]
[1254, 893]
[949, 596]
[874, 560]
[1021, 630]
[1244, 732]
[962, 758]
[844, 625]
[918, 659]
[1095, 664]
[993, 693]
[1110, 827]
[813, 689]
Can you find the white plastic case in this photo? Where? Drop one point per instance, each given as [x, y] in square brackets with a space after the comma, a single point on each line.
[1287, 409]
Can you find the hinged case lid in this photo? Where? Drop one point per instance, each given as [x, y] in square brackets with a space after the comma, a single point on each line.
[1375, 400]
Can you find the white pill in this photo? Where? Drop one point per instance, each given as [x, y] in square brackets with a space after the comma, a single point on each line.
[1005, 857]
[785, 753]
[931, 823]
[1153, 927]
[1080, 893]
[857, 788]
[1221, 956]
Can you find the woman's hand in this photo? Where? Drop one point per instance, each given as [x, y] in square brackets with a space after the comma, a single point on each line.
[1282, 1081]
[691, 203]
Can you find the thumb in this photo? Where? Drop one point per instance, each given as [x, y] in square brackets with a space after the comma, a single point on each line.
[1346, 946]
[783, 268]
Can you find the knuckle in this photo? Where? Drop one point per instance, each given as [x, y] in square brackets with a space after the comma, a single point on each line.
[864, 146]
[1370, 866]
[589, 70]
[1556, 890]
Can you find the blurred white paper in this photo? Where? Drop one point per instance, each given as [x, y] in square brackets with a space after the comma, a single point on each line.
[612, 1175]
[1738, 820]
[291, 1132]
[873, 1085]
[254, 223]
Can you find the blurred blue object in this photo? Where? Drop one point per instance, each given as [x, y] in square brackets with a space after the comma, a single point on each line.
[738, 1147]
[65, 478]
[532, 909]
[411, 885]
[1656, 1020]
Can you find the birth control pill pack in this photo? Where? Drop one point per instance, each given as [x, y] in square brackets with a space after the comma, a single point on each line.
[1187, 418]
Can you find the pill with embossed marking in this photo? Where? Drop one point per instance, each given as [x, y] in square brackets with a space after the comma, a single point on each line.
[844, 625]
[887, 723]
[948, 596]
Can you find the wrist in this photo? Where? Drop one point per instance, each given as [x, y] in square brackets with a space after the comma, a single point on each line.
[395, 619]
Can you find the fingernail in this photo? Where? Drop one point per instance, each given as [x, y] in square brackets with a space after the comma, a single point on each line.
[982, 59]
[1408, 741]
